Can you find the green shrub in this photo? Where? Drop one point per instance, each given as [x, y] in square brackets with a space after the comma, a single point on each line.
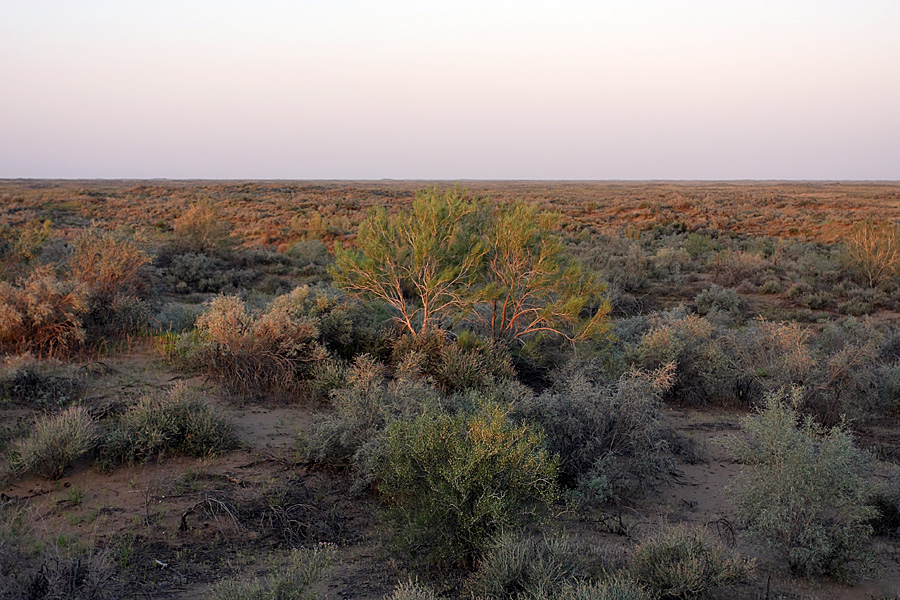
[610, 438]
[292, 580]
[453, 481]
[514, 566]
[686, 562]
[178, 423]
[802, 489]
[57, 441]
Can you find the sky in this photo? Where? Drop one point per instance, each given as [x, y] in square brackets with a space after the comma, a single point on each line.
[351, 89]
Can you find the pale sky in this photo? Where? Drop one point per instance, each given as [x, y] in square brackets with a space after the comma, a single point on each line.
[341, 89]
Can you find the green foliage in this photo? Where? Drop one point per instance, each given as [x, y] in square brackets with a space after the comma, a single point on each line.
[530, 285]
[450, 258]
[292, 580]
[419, 262]
[802, 489]
[686, 562]
[352, 433]
[20, 245]
[717, 299]
[178, 423]
[453, 481]
[57, 441]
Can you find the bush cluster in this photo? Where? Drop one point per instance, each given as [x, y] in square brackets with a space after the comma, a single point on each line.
[802, 490]
[56, 441]
[179, 423]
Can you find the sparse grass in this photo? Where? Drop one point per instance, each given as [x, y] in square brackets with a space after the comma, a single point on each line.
[291, 580]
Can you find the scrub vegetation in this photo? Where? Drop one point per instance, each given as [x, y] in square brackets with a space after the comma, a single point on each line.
[393, 390]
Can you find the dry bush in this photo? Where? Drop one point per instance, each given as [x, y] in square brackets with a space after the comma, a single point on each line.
[731, 268]
[691, 343]
[251, 353]
[202, 229]
[42, 314]
[768, 356]
[291, 579]
[107, 263]
[873, 250]
[27, 381]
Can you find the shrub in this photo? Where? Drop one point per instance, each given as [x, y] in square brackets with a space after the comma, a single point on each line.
[885, 498]
[178, 422]
[873, 250]
[352, 433]
[292, 580]
[616, 588]
[202, 229]
[609, 438]
[108, 264]
[24, 380]
[722, 300]
[453, 481]
[686, 562]
[189, 272]
[514, 566]
[453, 366]
[57, 441]
[802, 489]
[412, 590]
[731, 268]
[42, 314]
[766, 357]
[20, 245]
[251, 353]
[690, 342]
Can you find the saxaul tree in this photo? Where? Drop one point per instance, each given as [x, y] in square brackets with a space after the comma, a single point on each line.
[421, 262]
[504, 271]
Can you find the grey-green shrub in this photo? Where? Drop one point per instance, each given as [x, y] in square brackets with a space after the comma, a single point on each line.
[291, 580]
[412, 590]
[57, 441]
[455, 480]
[686, 562]
[616, 588]
[690, 342]
[516, 565]
[176, 423]
[352, 431]
[802, 490]
[610, 438]
[724, 300]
